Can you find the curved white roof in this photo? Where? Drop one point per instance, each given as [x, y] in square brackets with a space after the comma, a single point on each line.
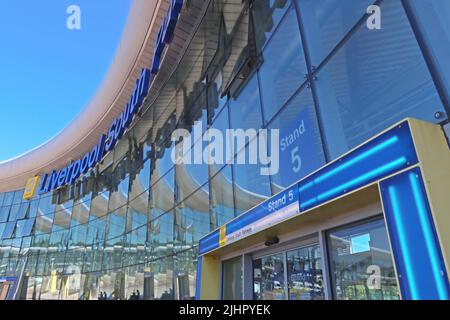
[133, 54]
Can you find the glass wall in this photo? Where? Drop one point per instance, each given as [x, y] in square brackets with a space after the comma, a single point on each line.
[311, 69]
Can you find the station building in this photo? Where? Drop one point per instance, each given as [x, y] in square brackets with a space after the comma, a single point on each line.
[359, 208]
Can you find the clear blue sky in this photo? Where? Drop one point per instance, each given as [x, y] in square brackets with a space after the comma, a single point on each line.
[49, 73]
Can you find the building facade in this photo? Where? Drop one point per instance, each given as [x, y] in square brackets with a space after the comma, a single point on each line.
[316, 71]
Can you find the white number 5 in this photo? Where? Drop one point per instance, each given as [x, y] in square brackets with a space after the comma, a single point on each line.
[296, 160]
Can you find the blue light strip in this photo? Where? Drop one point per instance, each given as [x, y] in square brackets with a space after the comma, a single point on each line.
[361, 179]
[403, 242]
[380, 147]
[428, 233]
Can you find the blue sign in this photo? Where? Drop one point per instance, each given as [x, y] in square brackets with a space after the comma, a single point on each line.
[301, 151]
[278, 208]
[106, 143]
[165, 34]
[377, 158]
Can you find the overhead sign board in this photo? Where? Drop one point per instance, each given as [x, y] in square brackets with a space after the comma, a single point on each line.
[280, 207]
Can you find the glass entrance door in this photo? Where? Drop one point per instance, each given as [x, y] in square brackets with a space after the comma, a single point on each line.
[295, 274]
[269, 278]
[304, 273]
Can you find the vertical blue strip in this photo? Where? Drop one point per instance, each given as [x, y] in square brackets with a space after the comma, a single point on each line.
[430, 240]
[400, 229]
[198, 282]
[415, 245]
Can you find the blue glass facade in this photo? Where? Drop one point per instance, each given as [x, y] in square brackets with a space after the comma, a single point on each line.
[134, 222]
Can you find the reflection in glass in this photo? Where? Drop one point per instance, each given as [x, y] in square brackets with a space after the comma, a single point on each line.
[251, 187]
[326, 23]
[283, 70]
[269, 278]
[245, 110]
[221, 203]
[232, 279]
[374, 80]
[361, 263]
[266, 16]
[304, 272]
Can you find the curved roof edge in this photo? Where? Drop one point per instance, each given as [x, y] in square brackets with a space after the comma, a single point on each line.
[133, 53]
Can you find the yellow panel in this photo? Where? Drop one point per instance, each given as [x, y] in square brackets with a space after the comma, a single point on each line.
[30, 188]
[223, 236]
[209, 289]
[434, 156]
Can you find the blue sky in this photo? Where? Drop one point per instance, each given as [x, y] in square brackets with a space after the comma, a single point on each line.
[49, 73]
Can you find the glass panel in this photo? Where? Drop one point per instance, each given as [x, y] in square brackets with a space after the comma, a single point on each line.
[376, 79]
[141, 183]
[221, 196]
[162, 194]
[2, 228]
[23, 210]
[268, 278]
[266, 16]
[361, 263]
[165, 163]
[222, 123]
[186, 269]
[116, 225]
[192, 219]
[9, 230]
[191, 177]
[46, 206]
[28, 227]
[94, 244]
[301, 150]
[33, 209]
[432, 17]
[251, 187]
[18, 196]
[326, 22]
[13, 213]
[44, 224]
[304, 271]
[134, 285]
[134, 251]
[63, 215]
[19, 228]
[80, 211]
[160, 279]
[245, 110]
[8, 200]
[232, 279]
[161, 235]
[4, 213]
[283, 70]
[119, 195]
